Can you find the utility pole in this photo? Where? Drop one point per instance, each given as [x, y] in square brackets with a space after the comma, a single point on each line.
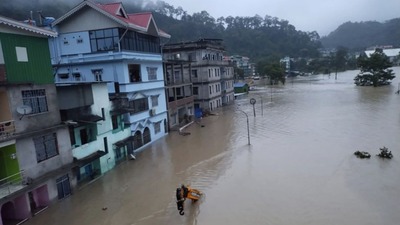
[248, 129]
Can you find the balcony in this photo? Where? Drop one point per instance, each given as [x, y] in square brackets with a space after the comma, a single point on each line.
[11, 184]
[178, 82]
[7, 129]
[180, 102]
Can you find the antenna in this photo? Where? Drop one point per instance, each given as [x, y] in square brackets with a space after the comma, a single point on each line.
[24, 110]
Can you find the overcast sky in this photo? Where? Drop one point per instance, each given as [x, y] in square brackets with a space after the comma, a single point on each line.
[322, 16]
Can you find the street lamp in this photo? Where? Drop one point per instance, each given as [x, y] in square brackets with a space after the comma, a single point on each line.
[262, 109]
[248, 129]
[271, 91]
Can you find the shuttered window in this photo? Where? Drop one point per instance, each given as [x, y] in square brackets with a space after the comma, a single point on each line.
[36, 99]
[45, 146]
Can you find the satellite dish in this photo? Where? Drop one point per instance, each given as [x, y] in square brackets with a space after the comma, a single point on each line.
[24, 109]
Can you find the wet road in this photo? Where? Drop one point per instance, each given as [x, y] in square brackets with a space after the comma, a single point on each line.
[299, 168]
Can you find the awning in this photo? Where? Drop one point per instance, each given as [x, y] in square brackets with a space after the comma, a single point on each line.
[124, 142]
[88, 159]
[89, 118]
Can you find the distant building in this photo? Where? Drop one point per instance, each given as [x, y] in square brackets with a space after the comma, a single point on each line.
[392, 53]
[287, 63]
[244, 64]
[211, 75]
[241, 88]
[179, 90]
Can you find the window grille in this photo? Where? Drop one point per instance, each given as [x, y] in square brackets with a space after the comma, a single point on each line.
[154, 101]
[45, 146]
[36, 99]
[152, 73]
[157, 127]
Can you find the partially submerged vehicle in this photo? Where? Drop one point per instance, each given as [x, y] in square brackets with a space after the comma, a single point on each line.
[186, 192]
[385, 153]
[362, 154]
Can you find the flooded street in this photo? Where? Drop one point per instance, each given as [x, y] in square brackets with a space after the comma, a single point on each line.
[299, 169]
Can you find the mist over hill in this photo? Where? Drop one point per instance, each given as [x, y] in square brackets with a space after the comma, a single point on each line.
[258, 37]
[361, 35]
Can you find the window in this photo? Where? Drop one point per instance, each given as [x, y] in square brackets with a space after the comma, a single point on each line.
[63, 186]
[194, 73]
[210, 89]
[97, 74]
[114, 120]
[104, 40]
[134, 41]
[36, 99]
[146, 136]
[209, 72]
[177, 76]
[152, 73]
[157, 127]
[45, 146]
[22, 54]
[134, 73]
[138, 105]
[154, 101]
[195, 90]
[137, 140]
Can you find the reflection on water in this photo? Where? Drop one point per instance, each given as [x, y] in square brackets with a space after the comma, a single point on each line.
[299, 168]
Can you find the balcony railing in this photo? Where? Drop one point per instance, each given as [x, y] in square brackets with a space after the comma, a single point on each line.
[13, 183]
[180, 102]
[7, 129]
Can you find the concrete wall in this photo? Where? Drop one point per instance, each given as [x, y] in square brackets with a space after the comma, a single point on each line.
[34, 121]
[26, 155]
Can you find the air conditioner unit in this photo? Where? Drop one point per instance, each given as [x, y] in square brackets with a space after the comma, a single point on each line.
[152, 112]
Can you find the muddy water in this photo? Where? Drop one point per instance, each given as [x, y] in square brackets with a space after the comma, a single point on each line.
[299, 168]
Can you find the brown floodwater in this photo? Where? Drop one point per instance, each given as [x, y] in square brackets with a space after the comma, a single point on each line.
[299, 169]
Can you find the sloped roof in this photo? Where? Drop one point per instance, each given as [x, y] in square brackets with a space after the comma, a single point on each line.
[143, 22]
[239, 84]
[27, 27]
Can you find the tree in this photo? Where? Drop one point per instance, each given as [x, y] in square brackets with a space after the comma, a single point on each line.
[275, 72]
[374, 70]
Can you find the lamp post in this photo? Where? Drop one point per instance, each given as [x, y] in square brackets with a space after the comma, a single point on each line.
[271, 91]
[248, 129]
[262, 109]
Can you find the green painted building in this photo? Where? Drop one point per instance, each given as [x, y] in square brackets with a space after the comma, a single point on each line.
[35, 150]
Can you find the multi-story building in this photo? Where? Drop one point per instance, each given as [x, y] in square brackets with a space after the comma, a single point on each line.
[211, 75]
[35, 150]
[179, 90]
[96, 132]
[102, 42]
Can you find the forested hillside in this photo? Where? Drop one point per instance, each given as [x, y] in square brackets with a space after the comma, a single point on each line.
[256, 37]
[361, 35]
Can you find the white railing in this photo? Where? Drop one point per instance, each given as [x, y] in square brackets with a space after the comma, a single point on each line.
[7, 129]
[11, 184]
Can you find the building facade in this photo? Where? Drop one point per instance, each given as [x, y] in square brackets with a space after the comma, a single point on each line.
[178, 90]
[211, 75]
[95, 131]
[35, 151]
[102, 42]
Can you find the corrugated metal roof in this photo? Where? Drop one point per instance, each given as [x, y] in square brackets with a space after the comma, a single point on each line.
[27, 27]
[240, 84]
